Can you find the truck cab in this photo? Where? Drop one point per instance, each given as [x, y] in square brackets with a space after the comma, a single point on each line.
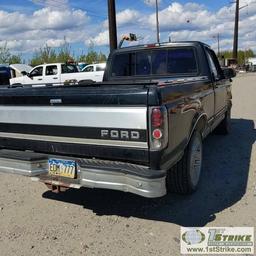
[45, 74]
[95, 70]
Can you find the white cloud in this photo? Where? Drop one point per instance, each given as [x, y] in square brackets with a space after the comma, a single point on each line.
[190, 21]
[44, 26]
[126, 17]
[101, 39]
[176, 17]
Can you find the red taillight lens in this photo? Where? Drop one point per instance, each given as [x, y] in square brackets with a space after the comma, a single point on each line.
[157, 134]
[158, 128]
[156, 118]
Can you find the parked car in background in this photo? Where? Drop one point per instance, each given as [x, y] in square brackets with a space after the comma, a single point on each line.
[81, 65]
[95, 70]
[55, 73]
[252, 64]
[5, 74]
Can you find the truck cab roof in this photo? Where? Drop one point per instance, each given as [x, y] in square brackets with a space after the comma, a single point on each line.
[162, 45]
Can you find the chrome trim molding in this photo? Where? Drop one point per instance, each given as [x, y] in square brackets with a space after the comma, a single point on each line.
[113, 143]
[101, 117]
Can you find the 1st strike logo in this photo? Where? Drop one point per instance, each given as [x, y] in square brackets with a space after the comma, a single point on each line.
[120, 135]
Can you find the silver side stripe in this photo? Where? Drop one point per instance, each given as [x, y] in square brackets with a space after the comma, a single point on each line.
[100, 117]
[113, 143]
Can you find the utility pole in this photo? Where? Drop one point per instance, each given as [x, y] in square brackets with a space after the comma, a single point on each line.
[235, 43]
[157, 24]
[218, 40]
[236, 29]
[112, 25]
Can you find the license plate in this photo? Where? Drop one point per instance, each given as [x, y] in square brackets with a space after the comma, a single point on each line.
[63, 168]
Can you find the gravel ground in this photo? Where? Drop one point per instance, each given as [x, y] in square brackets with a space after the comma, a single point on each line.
[34, 221]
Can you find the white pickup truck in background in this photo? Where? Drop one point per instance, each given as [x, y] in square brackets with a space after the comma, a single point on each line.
[55, 73]
[96, 70]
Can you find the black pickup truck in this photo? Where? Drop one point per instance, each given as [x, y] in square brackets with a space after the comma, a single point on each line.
[139, 131]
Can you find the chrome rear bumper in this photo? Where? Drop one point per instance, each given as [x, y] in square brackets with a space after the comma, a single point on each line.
[91, 173]
[146, 187]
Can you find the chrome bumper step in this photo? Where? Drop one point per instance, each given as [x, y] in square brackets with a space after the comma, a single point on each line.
[23, 162]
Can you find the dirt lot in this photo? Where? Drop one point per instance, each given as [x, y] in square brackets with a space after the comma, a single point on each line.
[33, 221]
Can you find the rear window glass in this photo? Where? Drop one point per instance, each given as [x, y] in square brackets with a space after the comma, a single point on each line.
[123, 65]
[155, 62]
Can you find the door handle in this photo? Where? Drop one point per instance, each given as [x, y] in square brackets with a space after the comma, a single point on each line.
[39, 79]
[55, 78]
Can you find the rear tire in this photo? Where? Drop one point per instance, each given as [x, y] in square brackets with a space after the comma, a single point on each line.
[224, 127]
[183, 178]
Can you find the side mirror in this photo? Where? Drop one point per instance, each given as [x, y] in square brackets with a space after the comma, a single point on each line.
[24, 73]
[229, 73]
[29, 75]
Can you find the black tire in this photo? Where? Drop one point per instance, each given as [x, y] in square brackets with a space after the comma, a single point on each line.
[180, 178]
[224, 127]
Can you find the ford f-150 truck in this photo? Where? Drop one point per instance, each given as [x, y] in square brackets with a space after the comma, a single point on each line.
[139, 131]
[55, 73]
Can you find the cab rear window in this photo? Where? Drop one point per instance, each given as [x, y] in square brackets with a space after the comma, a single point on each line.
[155, 62]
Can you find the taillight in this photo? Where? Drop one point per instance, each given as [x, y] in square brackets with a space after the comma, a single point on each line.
[158, 128]
[156, 117]
[157, 134]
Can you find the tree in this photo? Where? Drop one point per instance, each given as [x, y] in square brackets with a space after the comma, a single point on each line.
[92, 57]
[7, 58]
[15, 59]
[102, 57]
[64, 54]
[241, 57]
[48, 54]
[44, 55]
[4, 54]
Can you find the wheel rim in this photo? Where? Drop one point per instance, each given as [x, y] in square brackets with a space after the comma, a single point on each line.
[196, 161]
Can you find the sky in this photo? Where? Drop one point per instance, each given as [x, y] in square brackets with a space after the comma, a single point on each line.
[28, 25]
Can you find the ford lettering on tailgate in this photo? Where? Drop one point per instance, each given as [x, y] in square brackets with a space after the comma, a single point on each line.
[120, 134]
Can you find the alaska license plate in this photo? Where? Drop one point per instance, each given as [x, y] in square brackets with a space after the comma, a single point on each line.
[63, 168]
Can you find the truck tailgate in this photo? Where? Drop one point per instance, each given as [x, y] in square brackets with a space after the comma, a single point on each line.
[105, 123]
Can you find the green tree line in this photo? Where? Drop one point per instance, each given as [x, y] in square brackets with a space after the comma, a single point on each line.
[53, 55]
[64, 54]
[242, 56]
